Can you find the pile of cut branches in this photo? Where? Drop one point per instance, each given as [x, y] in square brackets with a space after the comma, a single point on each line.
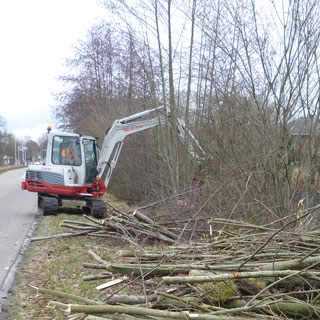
[133, 224]
[246, 271]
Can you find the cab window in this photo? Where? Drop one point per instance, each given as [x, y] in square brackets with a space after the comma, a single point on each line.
[66, 151]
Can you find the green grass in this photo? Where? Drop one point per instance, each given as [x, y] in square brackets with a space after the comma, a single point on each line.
[5, 169]
[57, 265]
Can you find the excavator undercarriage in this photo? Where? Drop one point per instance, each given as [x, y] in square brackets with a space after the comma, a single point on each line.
[49, 205]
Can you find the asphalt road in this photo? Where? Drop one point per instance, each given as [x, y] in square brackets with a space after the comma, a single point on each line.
[18, 210]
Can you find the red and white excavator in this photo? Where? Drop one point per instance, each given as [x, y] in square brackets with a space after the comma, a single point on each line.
[72, 170]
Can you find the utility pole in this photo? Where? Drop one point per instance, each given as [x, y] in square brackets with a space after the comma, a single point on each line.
[15, 151]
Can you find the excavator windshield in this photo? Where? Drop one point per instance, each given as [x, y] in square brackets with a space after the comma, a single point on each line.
[66, 151]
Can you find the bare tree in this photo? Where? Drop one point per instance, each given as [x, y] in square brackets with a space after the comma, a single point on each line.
[262, 72]
[239, 73]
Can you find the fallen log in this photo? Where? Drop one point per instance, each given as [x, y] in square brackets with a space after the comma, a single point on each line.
[96, 257]
[61, 235]
[58, 305]
[151, 270]
[171, 255]
[65, 295]
[95, 266]
[239, 224]
[139, 311]
[295, 264]
[167, 269]
[296, 308]
[116, 317]
[141, 217]
[238, 275]
[130, 299]
[169, 301]
[97, 277]
[80, 227]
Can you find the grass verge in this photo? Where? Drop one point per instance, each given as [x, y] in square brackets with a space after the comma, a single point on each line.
[57, 265]
[5, 169]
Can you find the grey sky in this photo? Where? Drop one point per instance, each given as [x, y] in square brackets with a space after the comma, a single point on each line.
[36, 37]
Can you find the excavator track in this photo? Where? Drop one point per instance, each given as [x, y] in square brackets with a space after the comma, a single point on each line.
[48, 205]
[96, 208]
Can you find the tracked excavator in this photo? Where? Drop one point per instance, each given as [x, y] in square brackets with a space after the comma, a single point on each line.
[73, 171]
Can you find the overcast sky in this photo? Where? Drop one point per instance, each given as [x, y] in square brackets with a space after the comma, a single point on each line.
[36, 38]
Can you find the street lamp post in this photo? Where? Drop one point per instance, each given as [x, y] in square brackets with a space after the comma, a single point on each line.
[15, 151]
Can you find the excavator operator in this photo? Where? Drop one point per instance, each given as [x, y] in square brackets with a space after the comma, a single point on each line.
[68, 155]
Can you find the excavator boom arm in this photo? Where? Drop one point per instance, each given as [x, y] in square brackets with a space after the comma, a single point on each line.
[113, 141]
[120, 129]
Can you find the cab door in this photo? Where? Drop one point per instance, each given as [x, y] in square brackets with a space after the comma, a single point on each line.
[91, 162]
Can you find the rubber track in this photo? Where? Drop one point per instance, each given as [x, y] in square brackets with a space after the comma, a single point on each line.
[98, 209]
[49, 206]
